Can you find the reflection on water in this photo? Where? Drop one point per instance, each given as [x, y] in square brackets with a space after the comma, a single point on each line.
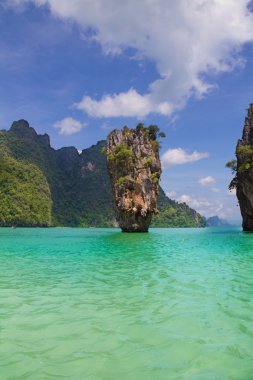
[99, 304]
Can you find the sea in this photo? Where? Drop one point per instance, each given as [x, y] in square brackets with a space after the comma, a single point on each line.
[98, 304]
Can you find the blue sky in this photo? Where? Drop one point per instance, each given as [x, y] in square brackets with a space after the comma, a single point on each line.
[77, 69]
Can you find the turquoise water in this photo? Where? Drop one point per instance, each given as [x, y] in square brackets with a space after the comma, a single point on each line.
[98, 304]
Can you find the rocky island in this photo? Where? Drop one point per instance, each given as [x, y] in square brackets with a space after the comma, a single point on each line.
[243, 169]
[134, 169]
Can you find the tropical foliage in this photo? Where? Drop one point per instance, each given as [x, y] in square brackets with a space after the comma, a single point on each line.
[174, 214]
[25, 198]
[243, 164]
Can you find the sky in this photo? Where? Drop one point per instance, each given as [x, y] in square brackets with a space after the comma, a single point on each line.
[78, 69]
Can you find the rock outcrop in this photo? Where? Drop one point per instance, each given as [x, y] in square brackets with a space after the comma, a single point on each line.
[134, 169]
[244, 172]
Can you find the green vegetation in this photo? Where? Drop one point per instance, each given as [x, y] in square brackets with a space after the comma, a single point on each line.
[148, 161]
[140, 127]
[80, 195]
[245, 157]
[125, 181]
[155, 145]
[121, 155]
[25, 197]
[232, 165]
[155, 177]
[245, 152]
[154, 132]
[35, 179]
[174, 214]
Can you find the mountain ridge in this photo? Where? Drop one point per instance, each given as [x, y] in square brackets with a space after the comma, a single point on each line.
[79, 183]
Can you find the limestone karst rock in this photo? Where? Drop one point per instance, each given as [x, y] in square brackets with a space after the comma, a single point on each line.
[244, 172]
[134, 169]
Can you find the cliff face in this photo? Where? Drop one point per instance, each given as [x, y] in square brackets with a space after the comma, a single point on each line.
[134, 169]
[244, 177]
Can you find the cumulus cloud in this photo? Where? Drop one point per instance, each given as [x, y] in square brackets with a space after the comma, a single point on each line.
[193, 202]
[178, 156]
[206, 181]
[232, 192]
[69, 126]
[186, 39]
[209, 208]
[125, 104]
[171, 194]
[203, 206]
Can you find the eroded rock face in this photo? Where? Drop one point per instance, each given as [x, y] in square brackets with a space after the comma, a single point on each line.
[134, 169]
[244, 177]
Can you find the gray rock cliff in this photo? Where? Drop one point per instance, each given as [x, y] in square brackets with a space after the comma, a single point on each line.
[134, 169]
[244, 177]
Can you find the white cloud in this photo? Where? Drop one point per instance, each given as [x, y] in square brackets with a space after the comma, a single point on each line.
[193, 202]
[206, 181]
[171, 194]
[210, 208]
[186, 39]
[203, 206]
[179, 156]
[69, 126]
[125, 104]
[232, 192]
[215, 190]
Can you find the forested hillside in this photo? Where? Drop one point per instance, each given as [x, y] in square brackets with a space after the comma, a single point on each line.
[36, 179]
[25, 198]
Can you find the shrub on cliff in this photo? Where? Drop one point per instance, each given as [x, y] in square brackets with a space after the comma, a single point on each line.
[245, 153]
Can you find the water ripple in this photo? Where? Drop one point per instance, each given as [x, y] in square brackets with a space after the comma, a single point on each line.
[97, 304]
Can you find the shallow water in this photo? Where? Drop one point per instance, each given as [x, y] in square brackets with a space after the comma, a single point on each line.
[98, 304]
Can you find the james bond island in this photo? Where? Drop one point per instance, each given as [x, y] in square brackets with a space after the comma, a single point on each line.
[134, 168]
[243, 169]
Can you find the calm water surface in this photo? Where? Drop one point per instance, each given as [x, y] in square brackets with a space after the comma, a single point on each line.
[98, 304]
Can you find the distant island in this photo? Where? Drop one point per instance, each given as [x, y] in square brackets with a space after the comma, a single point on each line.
[215, 221]
[41, 186]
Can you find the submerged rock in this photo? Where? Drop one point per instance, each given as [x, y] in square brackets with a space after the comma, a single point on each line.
[134, 169]
[244, 172]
